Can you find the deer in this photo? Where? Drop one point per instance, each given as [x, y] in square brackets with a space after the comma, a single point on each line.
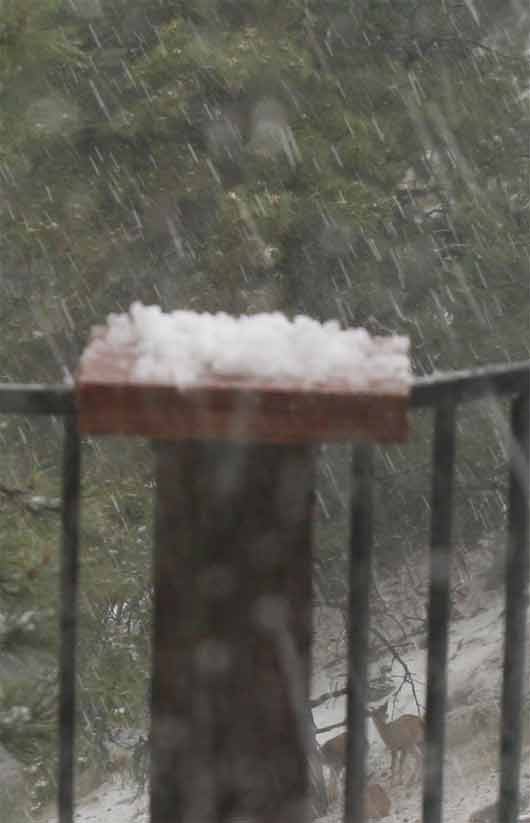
[401, 737]
[376, 801]
[333, 753]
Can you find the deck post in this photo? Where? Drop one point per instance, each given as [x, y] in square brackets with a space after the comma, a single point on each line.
[232, 632]
[235, 477]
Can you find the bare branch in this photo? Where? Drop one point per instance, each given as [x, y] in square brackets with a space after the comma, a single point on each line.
[408, 677]
[329, 728]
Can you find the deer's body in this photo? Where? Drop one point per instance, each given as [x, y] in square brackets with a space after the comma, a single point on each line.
[402, 737]
[334, 753]
[376, 801]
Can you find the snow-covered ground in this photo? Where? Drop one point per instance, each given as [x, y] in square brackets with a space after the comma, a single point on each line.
[475, 661]
[113, 802]
[471, 773]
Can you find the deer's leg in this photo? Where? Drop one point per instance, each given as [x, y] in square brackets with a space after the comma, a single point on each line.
[402, 756]
[393, 765]
[418, 751]
[416, 774]
[333, 785]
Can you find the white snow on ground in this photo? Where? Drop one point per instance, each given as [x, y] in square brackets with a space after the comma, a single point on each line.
[471, 775]
[111, 803]
[183, 348]
[475, 660]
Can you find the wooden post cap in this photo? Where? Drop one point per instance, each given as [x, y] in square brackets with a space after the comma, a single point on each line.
[262, 378]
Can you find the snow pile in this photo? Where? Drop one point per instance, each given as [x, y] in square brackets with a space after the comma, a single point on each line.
[185, 348]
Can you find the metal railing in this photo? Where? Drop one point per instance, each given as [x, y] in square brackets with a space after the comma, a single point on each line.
[444, 394]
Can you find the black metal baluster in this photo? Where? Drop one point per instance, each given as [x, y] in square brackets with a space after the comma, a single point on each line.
[515, 644]
[68, 616]
[359, 592]
[438, 619]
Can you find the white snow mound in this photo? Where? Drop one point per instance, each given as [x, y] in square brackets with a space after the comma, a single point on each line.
[186, 348]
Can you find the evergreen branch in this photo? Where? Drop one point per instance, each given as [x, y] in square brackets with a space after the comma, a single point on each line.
[34, 503]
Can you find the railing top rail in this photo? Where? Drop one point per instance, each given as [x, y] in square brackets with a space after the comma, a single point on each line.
[457, 387]
[470, 384]
[36, 398]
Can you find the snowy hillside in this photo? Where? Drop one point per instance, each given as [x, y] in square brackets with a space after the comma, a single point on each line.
[475, 657]
[475, 660]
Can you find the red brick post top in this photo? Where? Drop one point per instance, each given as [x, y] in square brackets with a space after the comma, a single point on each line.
[119, 394]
